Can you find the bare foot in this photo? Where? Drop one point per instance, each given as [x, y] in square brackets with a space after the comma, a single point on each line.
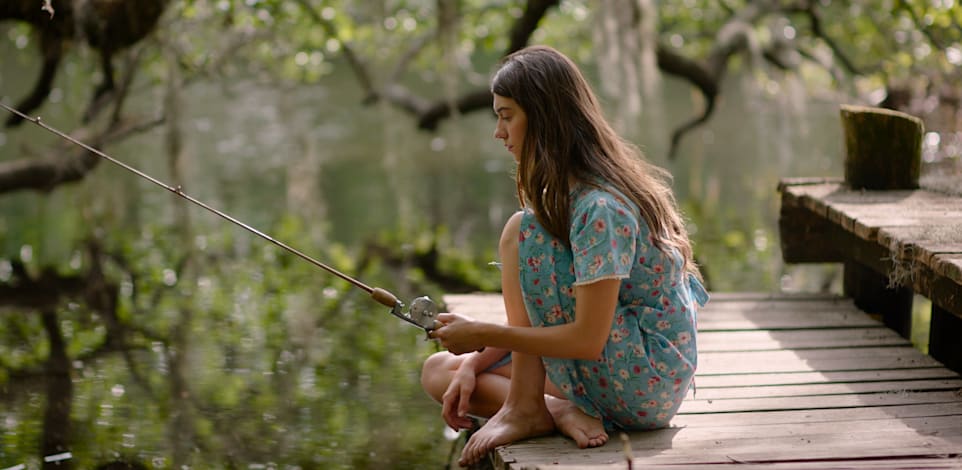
[586, 431]
[508, 425]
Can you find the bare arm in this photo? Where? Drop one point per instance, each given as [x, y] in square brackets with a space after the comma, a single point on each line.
[584, 338]
[479, 361]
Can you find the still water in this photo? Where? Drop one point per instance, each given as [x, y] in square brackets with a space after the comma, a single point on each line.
[223, 352]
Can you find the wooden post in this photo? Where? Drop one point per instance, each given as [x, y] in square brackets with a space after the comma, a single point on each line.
[883, 148]
[944, 344]
[883, 151]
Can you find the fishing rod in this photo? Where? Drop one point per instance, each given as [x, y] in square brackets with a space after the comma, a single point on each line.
[423, 310]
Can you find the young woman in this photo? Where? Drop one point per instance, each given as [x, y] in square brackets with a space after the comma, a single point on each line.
[598, 279]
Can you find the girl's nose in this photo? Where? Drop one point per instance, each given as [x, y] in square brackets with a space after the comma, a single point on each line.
[499, 133]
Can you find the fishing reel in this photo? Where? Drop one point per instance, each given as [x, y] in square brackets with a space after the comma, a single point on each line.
[422, 314]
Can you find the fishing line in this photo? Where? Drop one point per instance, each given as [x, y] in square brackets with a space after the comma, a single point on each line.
[422, 312]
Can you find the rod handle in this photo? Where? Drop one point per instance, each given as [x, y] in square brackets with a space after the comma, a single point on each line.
[384, 297]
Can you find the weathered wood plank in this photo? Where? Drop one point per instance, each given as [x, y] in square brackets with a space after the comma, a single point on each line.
[949, 266]
[779, 306]
[798, 297]
[484, 307]
[812, 360]
[818, 402]
[923, 242]
[836, 415]
[817, 377]
[672, 446]
[758, 340]
[785, 323]
[807, 390]
[932, 463]
[943, 425]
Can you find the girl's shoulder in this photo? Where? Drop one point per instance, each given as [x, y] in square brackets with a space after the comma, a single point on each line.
[586, 196]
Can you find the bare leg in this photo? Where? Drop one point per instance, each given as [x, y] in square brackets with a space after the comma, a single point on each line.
[491, 391]
[524, 413]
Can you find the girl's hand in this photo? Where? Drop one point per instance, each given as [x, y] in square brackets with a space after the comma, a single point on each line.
[458, 334]
[456, 399]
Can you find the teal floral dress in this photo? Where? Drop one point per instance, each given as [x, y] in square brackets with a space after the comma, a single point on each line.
[639, 380]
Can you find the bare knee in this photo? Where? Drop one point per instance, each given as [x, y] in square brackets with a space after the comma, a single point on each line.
[436, 373]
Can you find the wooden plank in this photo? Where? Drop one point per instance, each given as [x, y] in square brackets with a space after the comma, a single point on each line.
[789, 181]
[708, 322]
[484, 307]
[810, 189]
[816, 377]
[783, 297]
[812, 360]
[866, 220]
[758, 340]
[836, 415]
[775, 391]
[775, 306]
[949, 266]
[863, 212]
[868, 227]
[931, 463]
[923, 242]
[672, 446]
[817, 402]
[942, 425]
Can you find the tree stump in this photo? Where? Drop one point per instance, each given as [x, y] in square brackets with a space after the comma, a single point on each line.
[883, 148]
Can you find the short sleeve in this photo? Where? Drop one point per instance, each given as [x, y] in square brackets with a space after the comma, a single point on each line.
[603, 232]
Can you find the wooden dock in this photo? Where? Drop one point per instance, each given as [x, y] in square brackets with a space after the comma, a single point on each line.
[814, 381]
[894, 244]
[784, 381]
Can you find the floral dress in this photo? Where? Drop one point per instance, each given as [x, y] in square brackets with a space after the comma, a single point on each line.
[646, 367]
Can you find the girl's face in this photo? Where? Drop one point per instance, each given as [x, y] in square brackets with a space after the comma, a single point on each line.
[512, 124]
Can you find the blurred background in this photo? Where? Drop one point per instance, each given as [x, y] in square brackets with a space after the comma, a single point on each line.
[140, 332]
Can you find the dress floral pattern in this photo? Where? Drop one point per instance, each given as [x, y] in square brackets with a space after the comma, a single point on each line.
[647, 365]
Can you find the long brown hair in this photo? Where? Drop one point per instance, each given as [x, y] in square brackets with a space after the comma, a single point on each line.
[568, 138]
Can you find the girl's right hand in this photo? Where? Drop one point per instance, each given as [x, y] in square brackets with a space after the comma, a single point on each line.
[457, 398]
[458, 334]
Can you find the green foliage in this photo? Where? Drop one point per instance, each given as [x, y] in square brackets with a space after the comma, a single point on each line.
[736, 250]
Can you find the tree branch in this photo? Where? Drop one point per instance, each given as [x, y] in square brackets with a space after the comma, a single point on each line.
[733, 37]
[815, 18]
[44, 292]
[430, 113]
[67, 165]
[359, 68]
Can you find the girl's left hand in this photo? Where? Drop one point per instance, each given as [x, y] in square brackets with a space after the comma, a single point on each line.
[458, 334]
